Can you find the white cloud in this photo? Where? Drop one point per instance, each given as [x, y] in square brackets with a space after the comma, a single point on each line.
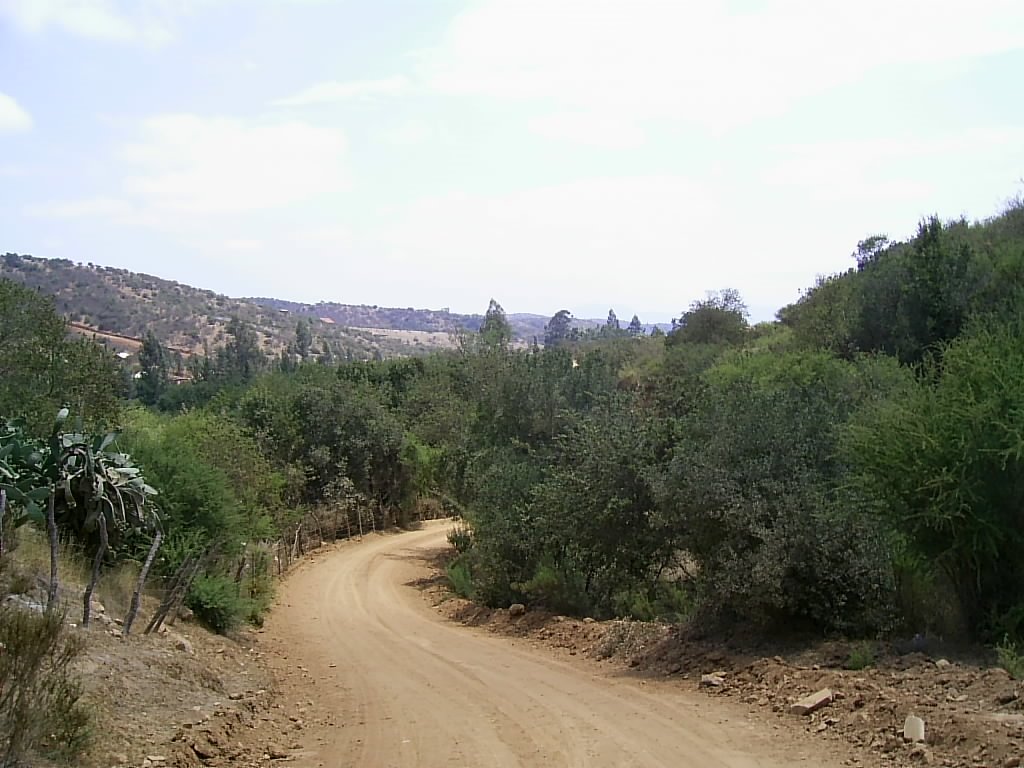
[95, 19]
[327, 238]
[84, 208]
[146, 21]
[334, 91]
[411, 133]
[242, 244]
[13, 117]
[186, 164]
[877, 169]
[700, 62]
[594, 129]
[549, 246]
[186, 173]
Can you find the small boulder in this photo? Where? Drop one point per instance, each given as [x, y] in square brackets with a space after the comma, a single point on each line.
[712, 681]
[921, 754]
[182, 644]
[516, 609]
[24, 602]
[812, 703]
[942, 663]
[913, 729]
[276, 752]
[95, 607]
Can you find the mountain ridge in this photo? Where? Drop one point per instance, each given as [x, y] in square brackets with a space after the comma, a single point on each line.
[119, 302]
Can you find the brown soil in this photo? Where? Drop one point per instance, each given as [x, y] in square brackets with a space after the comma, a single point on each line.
[973, 714]
[379, 679]
[368, 660]
[157, 695]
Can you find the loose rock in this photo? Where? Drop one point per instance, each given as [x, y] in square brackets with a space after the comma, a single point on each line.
[812, 703]
[516, 609]
[913, 729]
[276, 752]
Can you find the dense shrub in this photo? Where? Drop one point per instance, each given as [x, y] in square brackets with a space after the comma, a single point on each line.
[755, 492]
[216, 602]
[945, 460]
[42, 713]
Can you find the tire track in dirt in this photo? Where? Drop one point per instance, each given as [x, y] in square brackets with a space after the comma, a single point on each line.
[352, 635]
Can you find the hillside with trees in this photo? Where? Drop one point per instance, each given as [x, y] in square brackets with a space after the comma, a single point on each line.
[117, 301]
[855, 468]
[123, 307]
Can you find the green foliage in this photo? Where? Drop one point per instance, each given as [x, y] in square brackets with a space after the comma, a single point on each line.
[41, 370]
[495, 332]
[303, 338]
[557, 589]
[721, 318]
[460, 578]
[855, 465]
[756, 494]
[42, 711]
[85, 478]
[595, 511]
[154, 370]
[905, 298]
[217, 487]
[862, 656]
[944, 459]
[461, 539]
[559, 329]
[1010, 659]
[331, 428]
[216, 603]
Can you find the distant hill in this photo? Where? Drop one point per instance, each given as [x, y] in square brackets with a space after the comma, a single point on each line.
[120, 306]
[524, 326]
[367, 316]
[118, 303]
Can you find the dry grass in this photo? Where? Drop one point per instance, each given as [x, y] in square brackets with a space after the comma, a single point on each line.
[425, 339]
[32, 555]
[29, 572]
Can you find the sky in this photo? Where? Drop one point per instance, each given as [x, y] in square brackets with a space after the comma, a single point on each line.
[579, 154]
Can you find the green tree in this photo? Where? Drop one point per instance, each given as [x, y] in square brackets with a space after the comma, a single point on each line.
[612, 323]
[495, 331]
[944, 458]
[602, 537]
[31, 336]
[756, 493]
[241, 358]
[42, 370]
[720, 318]
[154, 373]
[559, 328]
[303, 337]
[635, 328]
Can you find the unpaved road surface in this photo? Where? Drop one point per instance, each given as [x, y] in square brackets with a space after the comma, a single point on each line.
[382, 680]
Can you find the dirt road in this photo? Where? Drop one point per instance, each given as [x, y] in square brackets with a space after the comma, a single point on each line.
[393, 684]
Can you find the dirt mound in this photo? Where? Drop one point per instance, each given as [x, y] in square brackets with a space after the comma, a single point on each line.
[181, 698]
[973, 716]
